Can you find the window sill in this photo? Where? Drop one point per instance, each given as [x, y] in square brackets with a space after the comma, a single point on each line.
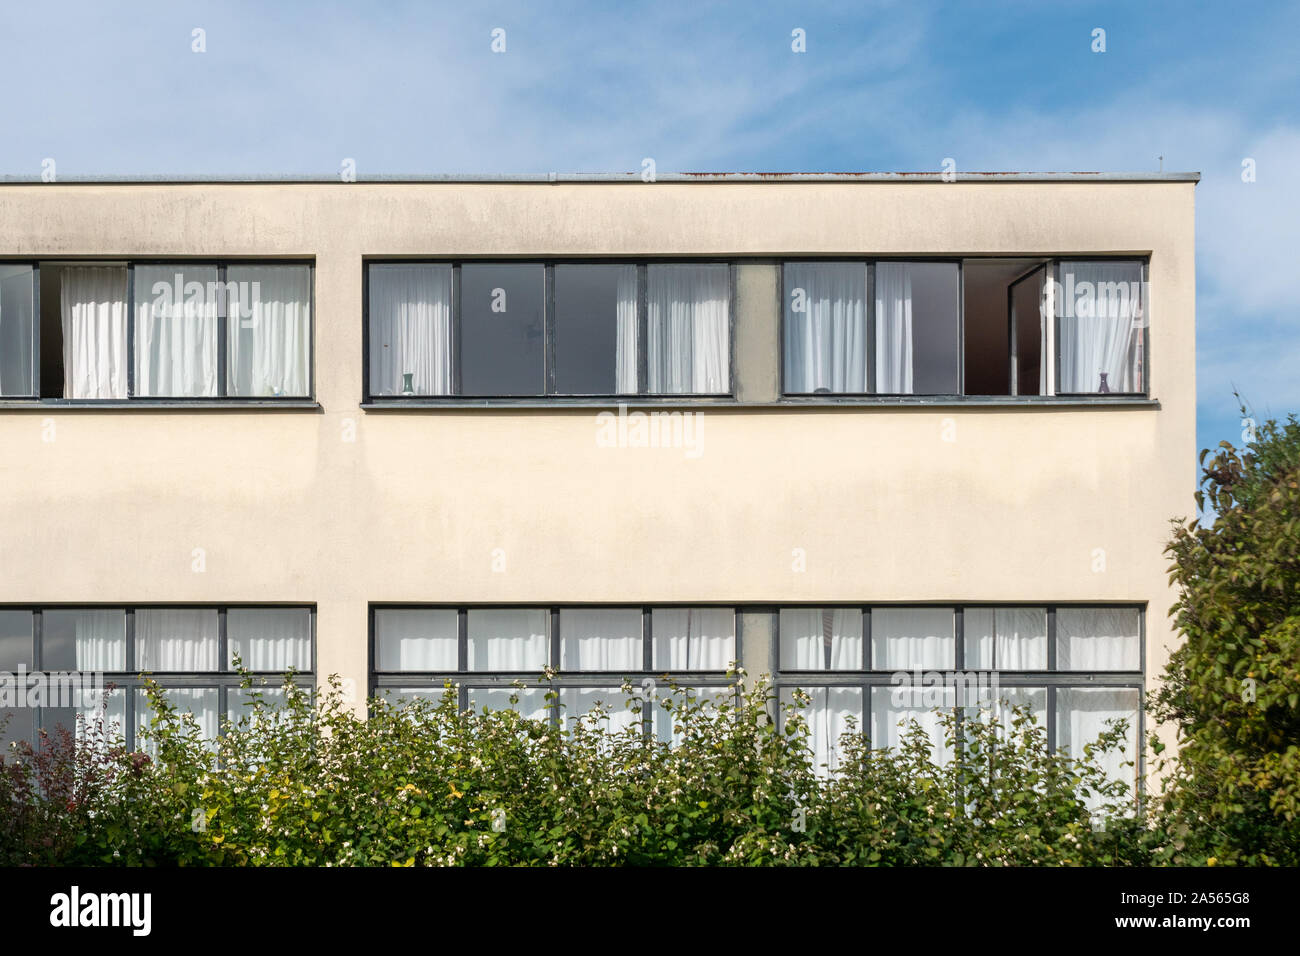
[538, 402]
[788, 403]
[159, 404]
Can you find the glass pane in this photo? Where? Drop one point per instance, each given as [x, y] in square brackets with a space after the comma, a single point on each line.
[502, 328]
[202, 702]
[239, 702]
[176, 639]
[84, 640]
[688, 317]
[268, 331]
[531, 704]
[1081, 716]
[1101, 317]
[1006, 638]
[894, 708]
[918, 328]
[400, 696]
[693, 638]
[821, 639]
[269, 638]
[17, 317]
[508, 639]
[410, 329]
[709, 698]
[17, 725]
[416, 639]
[93, 714]
[1098, 639]
[912, 638]
[16, 642]
[92, 307]
[828, 717]
[579, 702]
[826, 335]
[595, 329]
[601, 639]
[176, 330]
[997, 704]
[1027, 304]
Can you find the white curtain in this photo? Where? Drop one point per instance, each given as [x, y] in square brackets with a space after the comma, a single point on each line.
[270, 639]
[175, 341]
[1081, 716]
[202, 702]
[995, 704]
[707, 700]
[92, 305]
[268, 331]
[893, 328]
[807, 632]
[532, 700]
[1006, 638]
[625, 354]
[98, 637]
[17, 318]
[826, 339]
[600, 639]
[508, 639]
[578, 703]
[1098, 639]
[687, 311]
[912, 638]
[416, 639]
[827, 715]
[693, 638]
[894, 706]
[95, 705]
[1100, 332]
[410, 328]
[176, 639]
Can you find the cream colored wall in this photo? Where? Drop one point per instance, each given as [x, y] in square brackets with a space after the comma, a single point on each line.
[885, 509]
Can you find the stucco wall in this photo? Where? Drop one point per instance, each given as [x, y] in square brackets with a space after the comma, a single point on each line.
[110, 506]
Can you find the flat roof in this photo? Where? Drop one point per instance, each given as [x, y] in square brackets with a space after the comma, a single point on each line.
[864, 177]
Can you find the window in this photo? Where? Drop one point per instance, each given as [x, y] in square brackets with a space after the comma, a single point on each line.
[119, 331]
[1073, 667]
[976, 327]
[88, 662]
[565, 329]
[593, 650]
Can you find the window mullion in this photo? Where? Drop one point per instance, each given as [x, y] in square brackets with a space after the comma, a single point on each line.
[223, 329]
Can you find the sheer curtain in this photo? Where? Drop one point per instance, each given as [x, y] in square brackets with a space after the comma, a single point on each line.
[416, 639]
[1081, 716]
[176, 639]
[270, 639]
[531, 704]
[1098, 639]
[508, 639]
[601, 639]
[269, 350]
[1099, 333]
[689, 348]
[410, 328]
[625, 353]
[893, 328]
[175, 341]
[1006, 638]
[84, 639]
[996, 705]
[92, 306]
[828, 715]
[808, 633]
[826, 340]
[912, 638]
[202, 702]
[579, 701]
[894, 708]
[693, 638]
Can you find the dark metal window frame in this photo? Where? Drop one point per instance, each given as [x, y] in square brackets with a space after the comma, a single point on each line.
[128, 682]
[550, 395]
[465, 680]
[221, 264]
[1051, 264]
[1051, 679]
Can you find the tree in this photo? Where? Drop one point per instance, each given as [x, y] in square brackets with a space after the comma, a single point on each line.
[1233, 687]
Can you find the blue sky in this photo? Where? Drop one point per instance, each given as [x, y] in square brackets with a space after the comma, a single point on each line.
[114, 88]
